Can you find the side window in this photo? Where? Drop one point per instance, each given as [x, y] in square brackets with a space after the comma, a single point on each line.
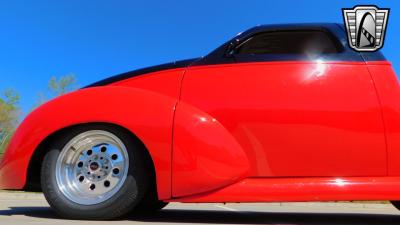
[290, 42]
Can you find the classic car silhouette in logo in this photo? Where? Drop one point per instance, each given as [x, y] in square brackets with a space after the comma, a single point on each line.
[366, 27]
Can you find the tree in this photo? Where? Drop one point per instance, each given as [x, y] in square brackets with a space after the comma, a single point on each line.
[9, 105]
[62, 85]
[9, 116]
[56, 87]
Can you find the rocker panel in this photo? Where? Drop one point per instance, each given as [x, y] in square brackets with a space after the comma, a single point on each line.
[303, 190]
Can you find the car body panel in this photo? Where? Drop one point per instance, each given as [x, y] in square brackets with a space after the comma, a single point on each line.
[303, 190]
[205, 155]
[295, 119]
[166, 82]
[388, 89]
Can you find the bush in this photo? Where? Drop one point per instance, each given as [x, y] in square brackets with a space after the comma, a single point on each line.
[9, 117]
[4, 140]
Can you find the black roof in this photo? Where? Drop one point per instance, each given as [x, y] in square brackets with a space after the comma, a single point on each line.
[138, 72]
[218, 56]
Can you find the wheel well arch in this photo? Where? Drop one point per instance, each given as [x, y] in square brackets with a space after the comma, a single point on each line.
[35, 163]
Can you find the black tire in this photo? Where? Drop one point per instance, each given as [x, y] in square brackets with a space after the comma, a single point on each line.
[396, 204]
[150, 204]
[122, 202]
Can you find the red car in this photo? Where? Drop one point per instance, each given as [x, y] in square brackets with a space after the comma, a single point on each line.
[278, 113]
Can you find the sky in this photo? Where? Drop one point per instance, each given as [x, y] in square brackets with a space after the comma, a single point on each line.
[95, 39]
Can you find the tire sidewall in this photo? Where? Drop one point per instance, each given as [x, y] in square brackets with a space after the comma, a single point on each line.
[129, 195]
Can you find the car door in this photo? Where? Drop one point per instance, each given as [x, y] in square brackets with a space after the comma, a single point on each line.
[297, 104]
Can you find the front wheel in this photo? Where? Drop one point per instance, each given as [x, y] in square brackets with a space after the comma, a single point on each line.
[95, 173]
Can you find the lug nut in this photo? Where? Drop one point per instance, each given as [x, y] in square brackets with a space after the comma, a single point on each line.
[81, 178]
[116, 171]
[107, 183]
[92, 187]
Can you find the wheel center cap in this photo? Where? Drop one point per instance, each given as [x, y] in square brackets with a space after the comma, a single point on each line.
[94, 166]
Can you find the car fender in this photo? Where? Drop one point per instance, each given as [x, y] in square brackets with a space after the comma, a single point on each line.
[147, 114]
[206, 156]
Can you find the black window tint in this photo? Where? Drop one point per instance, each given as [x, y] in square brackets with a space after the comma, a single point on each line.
[289, 42]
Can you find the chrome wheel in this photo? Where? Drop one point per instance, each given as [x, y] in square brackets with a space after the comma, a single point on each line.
[92, 167]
